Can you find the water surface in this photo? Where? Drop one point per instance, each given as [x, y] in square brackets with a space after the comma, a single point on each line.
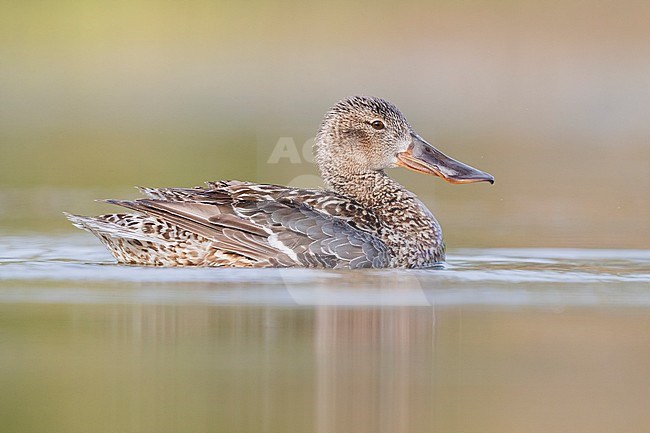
[499, 340]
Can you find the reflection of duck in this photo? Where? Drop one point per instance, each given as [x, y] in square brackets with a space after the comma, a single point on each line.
[364, 219]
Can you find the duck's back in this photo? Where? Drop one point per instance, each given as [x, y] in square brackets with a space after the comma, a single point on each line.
[241, 224]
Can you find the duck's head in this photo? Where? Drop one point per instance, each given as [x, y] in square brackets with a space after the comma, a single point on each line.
[363, 134]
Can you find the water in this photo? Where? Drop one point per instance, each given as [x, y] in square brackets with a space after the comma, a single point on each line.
[83, 272]
[499, 340]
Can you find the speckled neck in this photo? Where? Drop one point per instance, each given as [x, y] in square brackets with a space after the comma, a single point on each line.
[344, 175]
[409, 229]
[371, 189]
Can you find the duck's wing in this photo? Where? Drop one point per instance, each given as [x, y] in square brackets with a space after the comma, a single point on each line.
[271, 225]
[327, 203]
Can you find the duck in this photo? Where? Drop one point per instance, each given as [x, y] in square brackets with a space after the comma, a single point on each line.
[362, 218]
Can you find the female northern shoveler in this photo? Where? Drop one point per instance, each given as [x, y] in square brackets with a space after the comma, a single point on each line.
[364, 219]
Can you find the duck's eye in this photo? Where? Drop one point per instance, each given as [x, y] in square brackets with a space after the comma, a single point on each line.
[377, 124]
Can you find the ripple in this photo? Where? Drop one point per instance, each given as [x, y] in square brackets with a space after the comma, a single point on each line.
[75, 269]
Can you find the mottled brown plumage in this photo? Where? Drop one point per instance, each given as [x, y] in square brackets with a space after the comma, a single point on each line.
[364, 219]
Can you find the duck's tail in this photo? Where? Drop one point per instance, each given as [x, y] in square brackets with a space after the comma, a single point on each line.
[131, 239]
[122, 226]
[147, 240]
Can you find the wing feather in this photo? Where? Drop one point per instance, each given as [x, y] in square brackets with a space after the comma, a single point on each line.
[271, 224]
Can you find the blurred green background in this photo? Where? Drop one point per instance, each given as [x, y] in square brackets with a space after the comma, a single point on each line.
[552, 98]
